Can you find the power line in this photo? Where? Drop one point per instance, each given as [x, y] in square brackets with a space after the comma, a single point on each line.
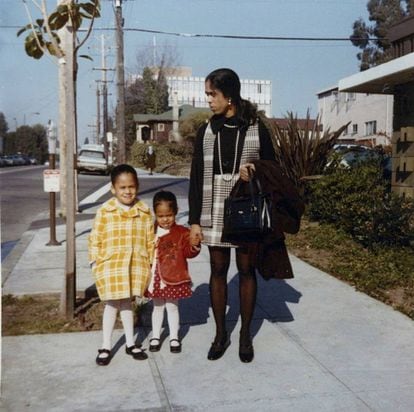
[226, 36]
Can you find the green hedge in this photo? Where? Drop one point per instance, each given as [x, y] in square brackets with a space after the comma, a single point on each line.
[359, 202]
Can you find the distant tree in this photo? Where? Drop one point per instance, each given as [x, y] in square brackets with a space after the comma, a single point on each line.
[134, 103]
[30, 140]
[163, 55]
[148, 93]
[155, 93]
[86, 141]
[383, 14]
[4, 127]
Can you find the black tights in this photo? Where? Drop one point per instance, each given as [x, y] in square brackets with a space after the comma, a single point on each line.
[220, 262]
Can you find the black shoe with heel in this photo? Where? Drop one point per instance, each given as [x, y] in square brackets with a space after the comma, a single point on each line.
[246, 352]
[218, 348]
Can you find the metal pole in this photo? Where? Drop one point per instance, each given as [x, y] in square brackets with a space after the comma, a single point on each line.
[52, 207]
[120, 109]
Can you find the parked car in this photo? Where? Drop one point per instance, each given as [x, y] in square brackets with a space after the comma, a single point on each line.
[350, 155]
[19, 159]
[24, 158]
[91, 158]
[8, 160]
[3, 161]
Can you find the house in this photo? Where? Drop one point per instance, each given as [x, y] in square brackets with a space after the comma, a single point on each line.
[394, 77]
[162, 127]
[283, 123]
[369, 116]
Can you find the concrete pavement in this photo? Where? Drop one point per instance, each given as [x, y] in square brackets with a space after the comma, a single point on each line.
[319, 346]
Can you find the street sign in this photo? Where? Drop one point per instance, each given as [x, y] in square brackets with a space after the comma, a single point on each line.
[51, 180]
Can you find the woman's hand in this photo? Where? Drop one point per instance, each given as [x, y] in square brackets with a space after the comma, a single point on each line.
[196, 235]
[246, 170]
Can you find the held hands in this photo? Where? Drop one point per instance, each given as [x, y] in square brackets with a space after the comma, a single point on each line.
[246, 170]
[196, 236]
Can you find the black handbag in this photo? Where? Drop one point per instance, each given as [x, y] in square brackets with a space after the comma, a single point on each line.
[247, 217]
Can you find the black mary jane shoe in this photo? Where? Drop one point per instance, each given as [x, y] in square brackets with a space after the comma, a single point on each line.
[156, 346]
[176, 348]
[246, 352]
[217, 349]
[103, 360]
[138, 355]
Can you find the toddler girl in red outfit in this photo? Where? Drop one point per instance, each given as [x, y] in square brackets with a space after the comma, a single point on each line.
[170, 278]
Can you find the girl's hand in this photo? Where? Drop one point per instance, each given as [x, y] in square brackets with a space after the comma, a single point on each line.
[246, 170]
[196, 235]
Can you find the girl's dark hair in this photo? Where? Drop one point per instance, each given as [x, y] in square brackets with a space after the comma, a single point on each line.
[123, 168]
[228, 82]
[165, 196]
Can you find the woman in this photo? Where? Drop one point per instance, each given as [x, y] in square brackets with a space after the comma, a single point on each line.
[224, 151]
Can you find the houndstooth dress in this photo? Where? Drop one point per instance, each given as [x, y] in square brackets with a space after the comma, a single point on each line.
[217, 187]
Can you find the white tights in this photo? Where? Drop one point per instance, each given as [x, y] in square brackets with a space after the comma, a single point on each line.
[109, 317]
[172, 315]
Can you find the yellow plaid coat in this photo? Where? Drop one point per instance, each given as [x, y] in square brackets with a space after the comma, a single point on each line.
[122, 246]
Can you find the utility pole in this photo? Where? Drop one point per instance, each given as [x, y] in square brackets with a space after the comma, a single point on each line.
[120, 107]
[98, 115]
[105, 99]
[104, 93]
[67, 122]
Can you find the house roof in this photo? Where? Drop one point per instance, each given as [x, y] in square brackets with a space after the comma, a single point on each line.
[381, 79]
[162, 117]
[183, 111]
[283, 122]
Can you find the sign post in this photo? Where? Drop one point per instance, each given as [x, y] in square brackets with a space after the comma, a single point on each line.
[51, 181]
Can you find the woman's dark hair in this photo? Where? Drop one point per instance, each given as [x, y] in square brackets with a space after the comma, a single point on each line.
[228, 82]
[123, 168]
[165, 196]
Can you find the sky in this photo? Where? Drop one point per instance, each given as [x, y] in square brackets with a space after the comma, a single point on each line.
[298, 69]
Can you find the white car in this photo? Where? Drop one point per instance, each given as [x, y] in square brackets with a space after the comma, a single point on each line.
[91, 158]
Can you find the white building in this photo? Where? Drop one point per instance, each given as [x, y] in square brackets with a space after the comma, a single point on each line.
[370, 115]
[190, 90]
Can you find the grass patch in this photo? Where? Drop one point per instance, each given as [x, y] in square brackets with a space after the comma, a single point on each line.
[37, 314]
[385, 273]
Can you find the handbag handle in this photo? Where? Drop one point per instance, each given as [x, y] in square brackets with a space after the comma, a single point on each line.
[252, 180]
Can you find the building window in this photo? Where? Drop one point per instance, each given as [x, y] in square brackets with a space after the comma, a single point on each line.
[259, 88]
[160, 127]
[346, 130]
[354, 128]
[370, 128]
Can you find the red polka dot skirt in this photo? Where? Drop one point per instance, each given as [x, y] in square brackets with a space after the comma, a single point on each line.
[169, 291]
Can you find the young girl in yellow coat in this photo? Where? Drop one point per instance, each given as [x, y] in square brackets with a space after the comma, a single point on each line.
[121, 247]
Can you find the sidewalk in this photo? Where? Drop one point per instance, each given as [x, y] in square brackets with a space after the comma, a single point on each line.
[319, 346]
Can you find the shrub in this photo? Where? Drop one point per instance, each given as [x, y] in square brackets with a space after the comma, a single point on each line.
[189, 126]
[166, 154]
[302, 152]
[358, 202]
